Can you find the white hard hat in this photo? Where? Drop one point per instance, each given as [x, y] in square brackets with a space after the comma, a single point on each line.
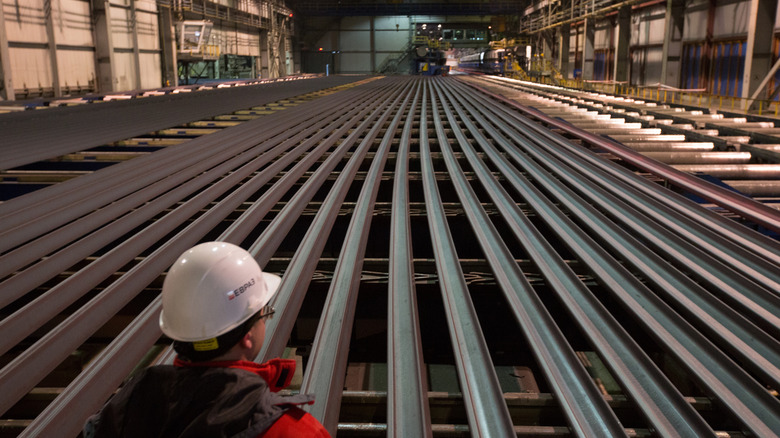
[211, 289]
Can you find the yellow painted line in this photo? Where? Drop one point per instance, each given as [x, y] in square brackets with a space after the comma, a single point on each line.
[186, 131]
[213, 123]
[161, 142]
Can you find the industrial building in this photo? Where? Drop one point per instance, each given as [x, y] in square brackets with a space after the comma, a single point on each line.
[509, 218]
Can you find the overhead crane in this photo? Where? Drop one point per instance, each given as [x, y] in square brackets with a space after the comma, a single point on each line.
[453, 262]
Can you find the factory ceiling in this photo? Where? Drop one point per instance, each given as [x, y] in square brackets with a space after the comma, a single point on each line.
[406, 7]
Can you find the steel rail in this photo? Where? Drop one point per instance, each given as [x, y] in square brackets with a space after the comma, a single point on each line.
[740, 336]
[27, 137]
[327, 367]
[661, 403]
[102, 379]
[71, 199]
[86, 195]
[583, 405]
[76, 328]
[750, 403]
[326, 138]
[22, 322]
[66, 414]
[759, 266]
[671, 282]
[408, 412]
[266, 245]
[720, 225]
[18, 205]
[289, 297]
[742, 206]
[486, 409]
[24, 255]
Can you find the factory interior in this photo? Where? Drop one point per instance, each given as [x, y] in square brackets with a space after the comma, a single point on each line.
[530, 218]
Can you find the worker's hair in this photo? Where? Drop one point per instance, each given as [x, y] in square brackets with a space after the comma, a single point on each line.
[224, 342]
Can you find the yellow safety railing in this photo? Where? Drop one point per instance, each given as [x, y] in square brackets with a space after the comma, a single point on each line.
[699, 98]
[420, 40]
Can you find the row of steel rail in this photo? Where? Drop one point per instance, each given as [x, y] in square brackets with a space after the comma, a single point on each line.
[702, 287]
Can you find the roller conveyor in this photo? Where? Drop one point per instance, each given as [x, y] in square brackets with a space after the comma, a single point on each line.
[711, 158]
[760, 171]
[486, 270]
[688, 125]
[670, 145]
[755, 187]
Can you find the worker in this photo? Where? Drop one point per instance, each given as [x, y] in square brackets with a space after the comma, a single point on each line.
[214, 306]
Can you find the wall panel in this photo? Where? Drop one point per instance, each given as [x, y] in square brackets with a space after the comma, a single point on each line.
[25, 21]
[355, 62]
[390, 40]
[731, 19]
[77, 69]
[150, 70]
[30, 67]
[648, 26]
[148, 30]
[124, 68]
[73, 23]
[695, 27]
[355, 41]
[355, 23]
[120, 26]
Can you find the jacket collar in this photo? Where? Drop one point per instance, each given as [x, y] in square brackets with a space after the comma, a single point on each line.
[278, 373]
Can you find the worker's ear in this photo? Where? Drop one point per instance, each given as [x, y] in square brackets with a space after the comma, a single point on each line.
[247, 341]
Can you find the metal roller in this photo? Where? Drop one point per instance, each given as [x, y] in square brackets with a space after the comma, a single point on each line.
[735, 171]
[658, 146]
[711, 158]
[756, 187]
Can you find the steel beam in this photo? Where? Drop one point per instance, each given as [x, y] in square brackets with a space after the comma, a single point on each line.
[737, 390]
[661, 403]
[408, 413]
[292, 290]
[485, 407]
[327, 366]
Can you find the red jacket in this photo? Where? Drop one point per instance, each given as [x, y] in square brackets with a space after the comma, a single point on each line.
[278, 373]
[214, 399]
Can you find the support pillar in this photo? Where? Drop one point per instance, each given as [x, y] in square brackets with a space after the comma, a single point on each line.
[547, 44]
[588, 49]
[563, 50]
[275, 49]
[265, 55]
[48, 12]
[758, 56]
[6, 82]
[622, 49]
[136, 48]
[168, 46]
[673, 32]
[104, 45]
[372, 43]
